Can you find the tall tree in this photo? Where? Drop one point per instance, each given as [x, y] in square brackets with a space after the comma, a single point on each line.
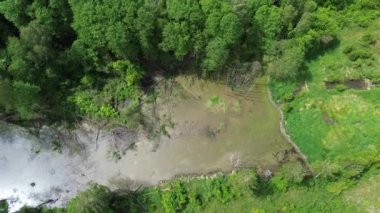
[222, 30]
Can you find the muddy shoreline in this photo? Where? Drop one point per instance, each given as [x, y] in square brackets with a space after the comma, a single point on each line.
[302, 158]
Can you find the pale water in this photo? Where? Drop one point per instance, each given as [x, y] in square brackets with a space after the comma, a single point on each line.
[214, 128]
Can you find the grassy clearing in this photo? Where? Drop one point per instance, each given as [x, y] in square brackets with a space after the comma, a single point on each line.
[336, 122]
[338, 129]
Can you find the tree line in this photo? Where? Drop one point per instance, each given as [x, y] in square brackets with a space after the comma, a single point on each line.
[61, 60]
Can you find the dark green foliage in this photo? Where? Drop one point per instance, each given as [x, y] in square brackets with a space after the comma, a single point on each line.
[16, 11]
[25, 98]
[68, 48]
[7, 30]
[27, 209]
[3, 206]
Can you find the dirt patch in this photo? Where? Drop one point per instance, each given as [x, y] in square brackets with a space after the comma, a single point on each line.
[360, 84]
[377, 44]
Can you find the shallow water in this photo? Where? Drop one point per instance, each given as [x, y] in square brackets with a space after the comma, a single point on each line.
[215, 128]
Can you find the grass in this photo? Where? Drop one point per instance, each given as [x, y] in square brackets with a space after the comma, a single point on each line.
[366, 194]
[329, 123]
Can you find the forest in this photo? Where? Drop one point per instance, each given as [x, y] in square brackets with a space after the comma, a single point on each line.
[65, 60]
[62, 61]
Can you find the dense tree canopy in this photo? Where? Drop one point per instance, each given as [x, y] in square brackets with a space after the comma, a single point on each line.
[57, 51]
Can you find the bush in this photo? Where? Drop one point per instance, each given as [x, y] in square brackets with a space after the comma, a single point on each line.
[294, 173]
[359, 54]
[368, 39]
[96, 199]
[289, 65]
[355, 53]
[341, 87]
[327, 170]
[221, 191]
[175, 198]
[242, 183]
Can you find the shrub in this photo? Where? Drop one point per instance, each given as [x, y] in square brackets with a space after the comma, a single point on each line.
[327, 170]
[338, 187]
[220, 191]
[242, 183]
[96, 199]
[289, 65]
[293, 172]
[359, 54]
[341, 87]
[175, 198]
[195, 202]
[368, 39]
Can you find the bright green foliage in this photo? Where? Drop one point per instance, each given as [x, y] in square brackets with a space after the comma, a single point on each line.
[16, 11]
[269, 20]
[96, 199]
[242, 183]
[336, 128]
[131, 75]
[225, 193]
[288, 175]
[175, 198]
[289, 66]
[106, 26]
[222, 30]
[88, 106]
[183, 33]
[178, 32]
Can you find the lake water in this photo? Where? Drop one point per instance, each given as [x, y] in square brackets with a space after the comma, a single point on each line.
[212, 127]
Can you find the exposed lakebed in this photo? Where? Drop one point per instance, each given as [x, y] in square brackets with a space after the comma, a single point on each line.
[210, 127]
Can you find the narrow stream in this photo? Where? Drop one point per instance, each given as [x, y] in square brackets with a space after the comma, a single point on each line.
[214, 128]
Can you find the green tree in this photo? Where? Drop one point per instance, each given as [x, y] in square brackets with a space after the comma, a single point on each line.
[268, 21]
[106, 26]
[32, 54]
[16, 11]
[183, 32]
[146, 24]
[222, 31]
[289, 65]
[176, 38]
